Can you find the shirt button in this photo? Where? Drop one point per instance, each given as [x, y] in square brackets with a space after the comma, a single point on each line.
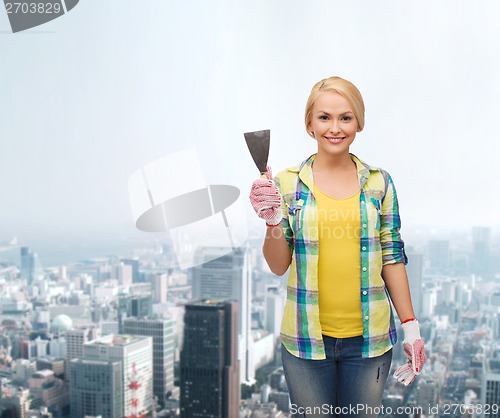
[364, 292]
[364, 225]
[366, 317]
[364, 268]
[363, 248]
[362, 202]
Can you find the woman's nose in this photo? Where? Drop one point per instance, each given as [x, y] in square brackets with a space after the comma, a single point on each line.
[335, 128]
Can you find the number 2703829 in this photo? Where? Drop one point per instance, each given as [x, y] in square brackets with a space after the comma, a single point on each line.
[33, 8]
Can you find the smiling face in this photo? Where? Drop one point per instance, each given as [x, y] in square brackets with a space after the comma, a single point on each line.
[333, 123]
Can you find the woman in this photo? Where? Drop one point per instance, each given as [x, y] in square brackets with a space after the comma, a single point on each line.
[333, 219]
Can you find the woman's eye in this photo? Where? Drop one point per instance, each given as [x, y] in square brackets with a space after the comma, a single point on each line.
[323, 117]
[346, 118]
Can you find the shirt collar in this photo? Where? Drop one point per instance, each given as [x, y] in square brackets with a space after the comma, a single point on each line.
[306, 174]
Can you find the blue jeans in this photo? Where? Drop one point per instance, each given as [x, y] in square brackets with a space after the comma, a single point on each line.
[343, 385]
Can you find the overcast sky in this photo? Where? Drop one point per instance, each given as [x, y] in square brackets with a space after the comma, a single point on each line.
[90, 97]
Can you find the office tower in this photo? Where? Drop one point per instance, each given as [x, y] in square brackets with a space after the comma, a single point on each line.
[50, 363]
[228, 277]
[439, 255]
[135, 305]
[209, 362]
[16, 404]
[490, 390]
[275, 305]
[134, 263]
[23, 370]
[58, 347]
[427, 392]
[28, 350]
[414, 269]
[448, 293]
[76, 338]
[136, 357]
[48, 390]
[123, 273]
[159, 287]
[96, 388]
[27, 264]
[162, 332]
[109, 327]
[480, 250]
[429, 301]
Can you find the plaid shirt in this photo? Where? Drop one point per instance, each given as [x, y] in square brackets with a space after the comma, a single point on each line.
[380, 244]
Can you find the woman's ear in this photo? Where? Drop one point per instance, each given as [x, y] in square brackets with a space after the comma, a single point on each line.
[309, 130]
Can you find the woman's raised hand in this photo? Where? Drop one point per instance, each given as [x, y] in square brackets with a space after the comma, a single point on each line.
[266, 199]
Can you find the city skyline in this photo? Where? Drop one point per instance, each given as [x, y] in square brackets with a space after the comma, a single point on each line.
[454, 286]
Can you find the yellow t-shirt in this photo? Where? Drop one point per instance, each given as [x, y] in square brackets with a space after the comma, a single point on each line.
[339, 265]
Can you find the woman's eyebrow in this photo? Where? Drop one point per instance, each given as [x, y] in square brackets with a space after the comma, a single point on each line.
[343, 113]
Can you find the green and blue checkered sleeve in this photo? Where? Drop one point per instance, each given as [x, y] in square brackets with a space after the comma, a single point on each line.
[390, 223]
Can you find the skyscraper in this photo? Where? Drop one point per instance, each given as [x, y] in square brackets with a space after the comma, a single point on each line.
[162, 332]
[135, 305]
[136, 357]
[275, 305]
[209, 363]
[439, 255]
[76, 338]
[228, 277]
[159, 287]
[27, 265]
[490, 390]
[480, 250]
[96, 388]
[136, 275]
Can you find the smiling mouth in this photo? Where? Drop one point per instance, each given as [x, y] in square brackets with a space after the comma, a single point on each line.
[333, 140]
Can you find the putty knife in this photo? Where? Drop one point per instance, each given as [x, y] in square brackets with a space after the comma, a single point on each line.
[258, 145]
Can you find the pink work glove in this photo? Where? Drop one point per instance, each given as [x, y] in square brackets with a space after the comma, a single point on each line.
[266, 199]
[413, 346]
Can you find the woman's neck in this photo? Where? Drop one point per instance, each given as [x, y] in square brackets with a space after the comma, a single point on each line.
[324, 162]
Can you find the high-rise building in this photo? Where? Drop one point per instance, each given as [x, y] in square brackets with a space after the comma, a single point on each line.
[159, 287]
[414, 269]
[429, 300]
[490, 390]
[76, 338]
[480, 250]
[275, 305]
[96, 388]
[134, 305]
[209, 362]
[427, 392]
[17, 403]
[27, 264]
[136, 357]
[136, 275]
[439, 255]
[48, 390]
[228, 277]
[162, 332]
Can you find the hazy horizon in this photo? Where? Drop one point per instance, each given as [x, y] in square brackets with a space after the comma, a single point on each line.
[109, 87]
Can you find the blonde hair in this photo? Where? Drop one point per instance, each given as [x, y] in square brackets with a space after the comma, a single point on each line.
[342, 87]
